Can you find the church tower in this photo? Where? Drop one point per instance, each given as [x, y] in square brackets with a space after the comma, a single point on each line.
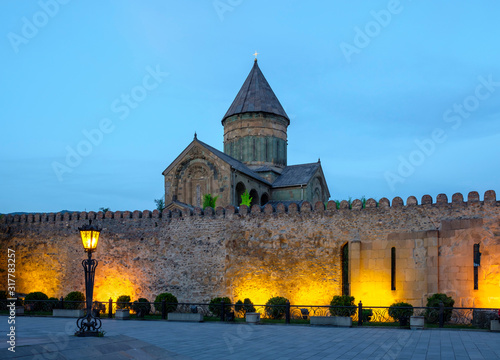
[255, 127]
[254, 158]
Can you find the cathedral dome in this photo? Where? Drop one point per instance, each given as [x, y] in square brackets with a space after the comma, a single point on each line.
[255, 126]
[256, 95]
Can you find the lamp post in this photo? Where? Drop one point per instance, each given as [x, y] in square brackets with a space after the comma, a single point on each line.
[89, 325]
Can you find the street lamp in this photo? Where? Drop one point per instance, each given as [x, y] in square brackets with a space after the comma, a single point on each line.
[89, 325]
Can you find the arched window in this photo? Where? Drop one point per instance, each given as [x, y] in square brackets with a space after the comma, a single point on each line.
[255, 197]
[317, 192]
[240, 189]
[196, 184]
[264, 199]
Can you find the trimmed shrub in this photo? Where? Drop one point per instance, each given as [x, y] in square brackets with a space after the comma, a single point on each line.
[244, 306]
[347, 302]
[4, 295]
[52, 303]
[238, 307]
[170, 299]
[98, 308]
[123, 302]
[432, 315]
[74, 300]
[3, 300]
[367, 315]
[276, 307]
[38, 304]
[142, 305]
[248, 306]
[215, 307]
[401, 312]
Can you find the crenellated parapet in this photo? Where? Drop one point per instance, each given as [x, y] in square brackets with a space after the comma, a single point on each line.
[259, 251]
[230, 211]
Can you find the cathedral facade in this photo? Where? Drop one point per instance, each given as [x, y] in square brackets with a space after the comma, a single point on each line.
[254, 159]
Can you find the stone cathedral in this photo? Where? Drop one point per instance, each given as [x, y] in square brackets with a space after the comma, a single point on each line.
[254, 158]
[380, 252]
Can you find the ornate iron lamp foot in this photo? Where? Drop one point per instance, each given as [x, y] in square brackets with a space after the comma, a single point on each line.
[88, 325]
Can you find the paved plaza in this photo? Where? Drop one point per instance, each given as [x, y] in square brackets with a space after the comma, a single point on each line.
[51, 338]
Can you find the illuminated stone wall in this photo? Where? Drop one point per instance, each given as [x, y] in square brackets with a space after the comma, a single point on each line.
[263, 252]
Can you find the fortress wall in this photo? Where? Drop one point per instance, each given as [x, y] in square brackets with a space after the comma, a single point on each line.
[456, 272]
[262, 252]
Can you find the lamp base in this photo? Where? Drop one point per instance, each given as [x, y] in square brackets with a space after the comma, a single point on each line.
[89, 325]
[89, 333]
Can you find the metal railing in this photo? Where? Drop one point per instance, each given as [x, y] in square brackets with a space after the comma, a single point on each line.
[370, 315]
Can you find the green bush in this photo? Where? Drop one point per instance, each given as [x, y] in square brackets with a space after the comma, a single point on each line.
[4, 295]
[276, 312]
[209, 201]
[52, 303]
[246, 199]
[74, 300]
[142, 305]
[367, 315]
[123, 302]
[248, 306]
[347, 302]
[215, 307]
[38, 304]
[244, 306]
[401, 312]
[3, 300]
[238, 307]
[98, 308]
[432, 315]
[169, 299]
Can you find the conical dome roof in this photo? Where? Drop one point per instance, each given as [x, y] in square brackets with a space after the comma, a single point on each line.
[256, 96]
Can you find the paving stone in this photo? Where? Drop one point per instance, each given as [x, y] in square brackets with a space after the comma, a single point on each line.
[182, 341]
[81, 353]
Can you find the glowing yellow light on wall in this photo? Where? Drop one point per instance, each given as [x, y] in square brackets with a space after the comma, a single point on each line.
[90, 236]
[113, 283]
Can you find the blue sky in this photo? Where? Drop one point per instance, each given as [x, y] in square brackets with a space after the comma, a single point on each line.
[397, 98]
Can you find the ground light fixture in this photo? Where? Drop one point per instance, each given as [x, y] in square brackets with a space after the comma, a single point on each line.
[89, 325]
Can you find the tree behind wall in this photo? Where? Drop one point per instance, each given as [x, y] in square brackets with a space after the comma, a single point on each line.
[209, 201]
[246, 199]
[160, 204]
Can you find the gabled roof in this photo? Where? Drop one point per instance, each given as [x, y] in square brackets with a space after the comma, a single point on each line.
[235, 164]
[296, 175]
[264, 168]
[179, 205]
[256, 96]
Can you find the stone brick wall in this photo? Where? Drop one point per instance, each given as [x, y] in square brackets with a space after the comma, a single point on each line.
[264, 252]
